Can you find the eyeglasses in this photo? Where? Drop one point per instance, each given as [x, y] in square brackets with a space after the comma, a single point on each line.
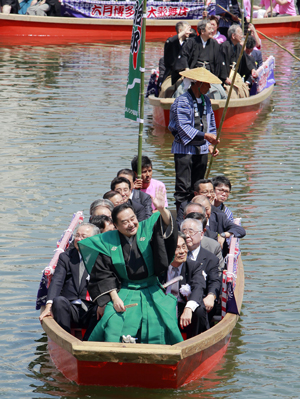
[82, 236]
[190, 232]
[221, 190]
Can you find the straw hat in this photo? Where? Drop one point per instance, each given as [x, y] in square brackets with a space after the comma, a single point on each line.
[200, 75]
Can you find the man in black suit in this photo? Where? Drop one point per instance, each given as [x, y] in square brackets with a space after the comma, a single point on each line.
[68, 299]
[192, 228]
[137, 195]
[192, 315]
[173, 48]
[201, 187]
[122, 185]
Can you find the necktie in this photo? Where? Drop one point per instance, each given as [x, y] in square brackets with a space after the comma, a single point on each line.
[81, 271]
[190, 255]
[175, 286]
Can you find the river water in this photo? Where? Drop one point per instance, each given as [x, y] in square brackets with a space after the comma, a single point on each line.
[64, 137]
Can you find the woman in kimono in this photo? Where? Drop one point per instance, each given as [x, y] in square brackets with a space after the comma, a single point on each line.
[124, 265]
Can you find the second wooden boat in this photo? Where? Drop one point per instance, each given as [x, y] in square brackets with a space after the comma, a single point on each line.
[33, 30]
[240, 113]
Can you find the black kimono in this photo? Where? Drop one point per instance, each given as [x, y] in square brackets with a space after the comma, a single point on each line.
[231, 54]
[193, 55]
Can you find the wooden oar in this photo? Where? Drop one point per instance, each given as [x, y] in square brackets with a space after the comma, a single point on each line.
[228, 12]
[226, 104]
[251, 12]
[279, 45]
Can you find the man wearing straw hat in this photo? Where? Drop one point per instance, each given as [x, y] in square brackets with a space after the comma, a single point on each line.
[192, 123]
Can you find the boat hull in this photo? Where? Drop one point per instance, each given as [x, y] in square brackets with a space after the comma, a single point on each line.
[152, 376]
[240, 113]
[34, 30]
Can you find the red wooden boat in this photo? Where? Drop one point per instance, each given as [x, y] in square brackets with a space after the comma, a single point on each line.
[142, 365]
[240, 112]
[33, 30]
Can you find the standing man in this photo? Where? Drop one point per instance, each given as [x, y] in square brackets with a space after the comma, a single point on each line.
[192, 123]
[173, 48]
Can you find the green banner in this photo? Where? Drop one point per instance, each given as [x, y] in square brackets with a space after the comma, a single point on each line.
[134, 74]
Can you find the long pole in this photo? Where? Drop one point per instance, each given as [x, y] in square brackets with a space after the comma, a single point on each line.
[271, 5]
[279, 45]
[226, 104]
[142, 91]
[251, 12]
[243, 16]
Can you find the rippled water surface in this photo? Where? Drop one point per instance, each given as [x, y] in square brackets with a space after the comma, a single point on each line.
[64, 137]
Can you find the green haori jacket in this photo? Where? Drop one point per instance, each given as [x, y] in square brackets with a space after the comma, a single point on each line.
[154, 319]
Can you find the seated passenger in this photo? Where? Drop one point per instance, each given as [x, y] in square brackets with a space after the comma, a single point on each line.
[137, 195]
[207, 242]
[256, 54]
[201, 187]
[114, 197]
[9, 6]
[38, 7]
[192, 229]
[101, 207]
[231, 50]
[282, 7]
[123, 186]
[103, 222]
[68, 299]
[214, 21]
[219, 223]
[147, 184]
[124, 267]
[192, 314]
[222, 188]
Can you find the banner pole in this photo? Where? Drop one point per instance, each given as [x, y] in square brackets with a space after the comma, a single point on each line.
[142, 92]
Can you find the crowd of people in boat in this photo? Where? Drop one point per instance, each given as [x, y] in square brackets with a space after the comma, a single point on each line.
[215, 48]
[111, 279]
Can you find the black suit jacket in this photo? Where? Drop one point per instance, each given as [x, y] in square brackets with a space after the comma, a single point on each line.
[172, 50]
[209, 263]
[144, 199]
[192, 273]
[65, 281]
[139, 210]
[220, 223]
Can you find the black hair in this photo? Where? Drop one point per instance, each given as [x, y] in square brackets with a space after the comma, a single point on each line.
[119, 180]
[118, 209]
[100, 221]
[251, 42]
[110, 194]
[218, 180]
[129, 172]
[201, 181]
[145, 162]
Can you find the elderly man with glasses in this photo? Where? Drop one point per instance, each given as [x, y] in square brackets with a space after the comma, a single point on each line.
[193, 230]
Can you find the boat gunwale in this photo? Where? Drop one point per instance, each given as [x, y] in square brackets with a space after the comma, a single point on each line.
[146, 353]
[165, 103]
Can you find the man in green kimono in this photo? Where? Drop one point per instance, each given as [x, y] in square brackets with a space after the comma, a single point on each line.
[124, 265]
